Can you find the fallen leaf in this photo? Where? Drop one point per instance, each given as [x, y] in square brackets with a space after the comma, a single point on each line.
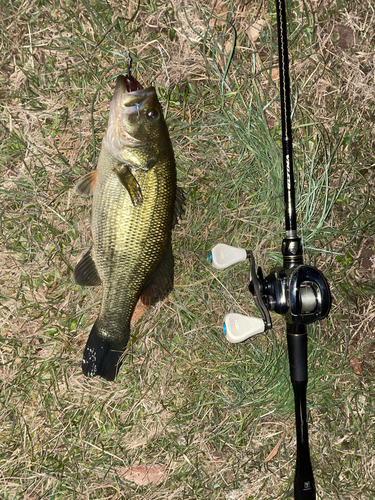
[355, 362]
[343, 35]
[220, 9]
[255, 29]
[145, 474]
[275, 450]
[275, 73]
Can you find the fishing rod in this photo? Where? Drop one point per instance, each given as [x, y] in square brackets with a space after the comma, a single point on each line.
[297, 291]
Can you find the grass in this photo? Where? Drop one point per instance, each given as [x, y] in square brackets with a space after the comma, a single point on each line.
[208, 412]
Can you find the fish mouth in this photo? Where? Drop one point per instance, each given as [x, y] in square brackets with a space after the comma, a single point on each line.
[129, 99]
[131, 84]
[129, 90]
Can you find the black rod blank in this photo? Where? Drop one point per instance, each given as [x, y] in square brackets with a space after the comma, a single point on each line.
[289, 195]
[304, 485]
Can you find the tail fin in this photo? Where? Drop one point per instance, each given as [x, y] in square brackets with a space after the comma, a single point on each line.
[101, 357]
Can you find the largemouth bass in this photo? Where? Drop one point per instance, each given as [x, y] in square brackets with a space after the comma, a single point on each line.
[135, 205]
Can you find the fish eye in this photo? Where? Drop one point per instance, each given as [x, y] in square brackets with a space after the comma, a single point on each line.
[152, 114]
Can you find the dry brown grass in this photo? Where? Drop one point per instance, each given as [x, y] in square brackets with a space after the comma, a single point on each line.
[207, 413]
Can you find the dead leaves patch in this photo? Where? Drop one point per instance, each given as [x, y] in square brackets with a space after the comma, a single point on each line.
[275, 450]
[143, 475]
[355, 362]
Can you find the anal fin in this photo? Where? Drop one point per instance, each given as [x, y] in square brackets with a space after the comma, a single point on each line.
[157, 288]
[85, 272]
[161, 282]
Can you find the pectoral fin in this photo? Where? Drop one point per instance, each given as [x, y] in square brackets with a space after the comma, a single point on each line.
[86, 184]
[130, 183]
[85, 272]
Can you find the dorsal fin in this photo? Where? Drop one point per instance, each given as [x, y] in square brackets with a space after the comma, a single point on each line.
[86, 184]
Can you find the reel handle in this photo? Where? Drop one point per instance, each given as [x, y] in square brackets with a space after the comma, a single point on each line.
[238, 327]
[223, 256]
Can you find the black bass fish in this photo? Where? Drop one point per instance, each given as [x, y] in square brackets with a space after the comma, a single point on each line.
[136, 204]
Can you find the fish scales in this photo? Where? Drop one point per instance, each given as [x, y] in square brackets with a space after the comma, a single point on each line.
[133, 212]
[142, 231]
